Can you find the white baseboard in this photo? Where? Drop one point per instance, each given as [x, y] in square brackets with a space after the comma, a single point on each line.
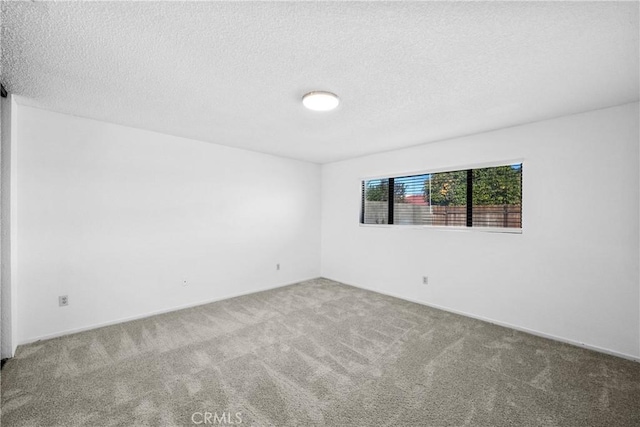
[154, 313]
[391, 294]
[500, 323]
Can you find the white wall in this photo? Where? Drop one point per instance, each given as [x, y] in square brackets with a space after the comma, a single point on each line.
[8, 324]
[2, 228]
[571, 274]
[117, 218]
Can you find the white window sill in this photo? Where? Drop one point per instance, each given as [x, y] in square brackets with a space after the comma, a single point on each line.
[440, 228]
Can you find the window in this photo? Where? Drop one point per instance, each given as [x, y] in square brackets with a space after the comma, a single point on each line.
[376, 201]
[481, 197]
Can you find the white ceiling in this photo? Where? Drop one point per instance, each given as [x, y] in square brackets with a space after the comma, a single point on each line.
[406, 73]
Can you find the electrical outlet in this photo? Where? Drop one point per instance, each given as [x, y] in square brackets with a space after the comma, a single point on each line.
[63, 300]
[425, 280]
[277, 266]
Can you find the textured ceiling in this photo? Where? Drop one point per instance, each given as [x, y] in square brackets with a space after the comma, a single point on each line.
[406, 73]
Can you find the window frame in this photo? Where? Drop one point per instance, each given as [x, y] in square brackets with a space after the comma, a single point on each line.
[467, 228]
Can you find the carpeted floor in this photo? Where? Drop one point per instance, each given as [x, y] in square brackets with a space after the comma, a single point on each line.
[315, 353]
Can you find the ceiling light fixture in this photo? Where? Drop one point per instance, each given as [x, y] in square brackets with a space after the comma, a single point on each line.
[320, 101]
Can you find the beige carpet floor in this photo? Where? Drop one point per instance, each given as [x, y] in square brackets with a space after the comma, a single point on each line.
[315, 353]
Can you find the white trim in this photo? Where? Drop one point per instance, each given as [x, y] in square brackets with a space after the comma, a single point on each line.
[154, 313]
[505, 324]
[13, 223]
[436, 306]
[443, 228]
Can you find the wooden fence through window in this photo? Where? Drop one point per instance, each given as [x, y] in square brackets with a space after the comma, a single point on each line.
[502, 216]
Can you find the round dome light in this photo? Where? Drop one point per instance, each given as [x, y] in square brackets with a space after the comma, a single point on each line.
[320, 101]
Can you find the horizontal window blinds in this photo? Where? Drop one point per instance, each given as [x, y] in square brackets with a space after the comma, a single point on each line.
[497, 197]
[375, 201]
[483, 197]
